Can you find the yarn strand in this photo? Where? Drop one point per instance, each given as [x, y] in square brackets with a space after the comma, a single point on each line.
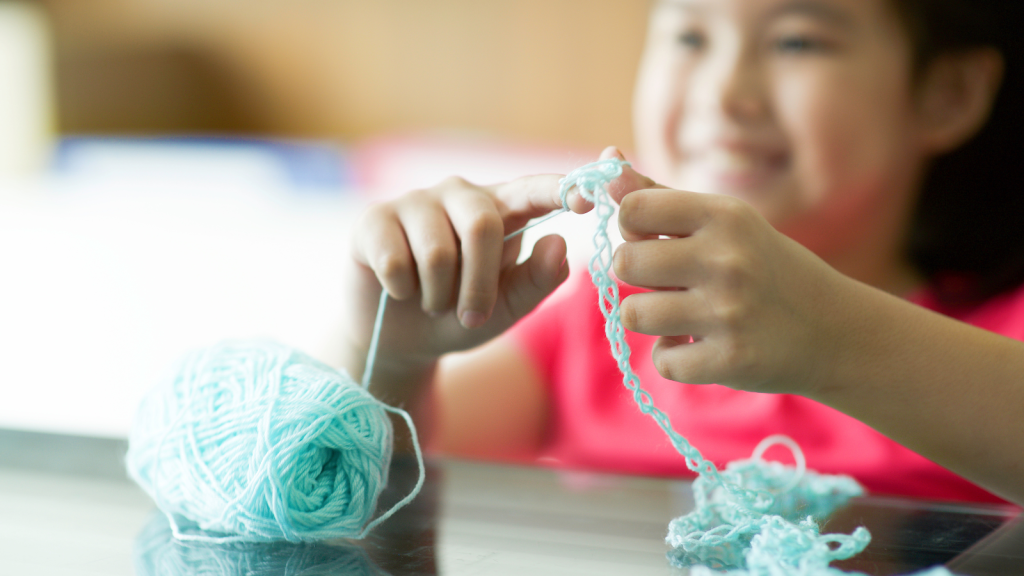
[371, 359]
[745, 516]
[371, 355]
[538, 221]
[419, 481]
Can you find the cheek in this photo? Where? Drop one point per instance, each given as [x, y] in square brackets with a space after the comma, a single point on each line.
[656, 110]
[846, 136]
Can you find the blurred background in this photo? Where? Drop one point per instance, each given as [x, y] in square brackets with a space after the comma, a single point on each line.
[540, 71]
[178, 172]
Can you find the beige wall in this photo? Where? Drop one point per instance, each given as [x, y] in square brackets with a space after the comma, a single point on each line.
[537, 70]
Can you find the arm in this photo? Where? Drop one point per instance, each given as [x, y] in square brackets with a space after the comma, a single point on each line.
[947, 390]
[490, 402]
[740, 304]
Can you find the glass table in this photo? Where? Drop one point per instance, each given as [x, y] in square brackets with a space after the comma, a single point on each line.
[66, 508]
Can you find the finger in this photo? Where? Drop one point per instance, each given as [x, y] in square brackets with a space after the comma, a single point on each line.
[667, 313]
[480, 230]
[660, 263]
[434, 248]
[577, 203]
[683, 360]
[526, 285]
[381, 245]
[629, 181]
[611, 152]
[531, 197]
[664, 212]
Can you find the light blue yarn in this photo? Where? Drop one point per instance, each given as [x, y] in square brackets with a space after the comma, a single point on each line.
[754, 515]
[774, 568]
[158, 553]
[719, 533]
[254, 441]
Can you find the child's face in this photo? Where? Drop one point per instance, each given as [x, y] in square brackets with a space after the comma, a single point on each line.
[803, 108]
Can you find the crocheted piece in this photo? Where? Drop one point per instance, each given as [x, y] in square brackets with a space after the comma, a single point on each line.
[756, 515]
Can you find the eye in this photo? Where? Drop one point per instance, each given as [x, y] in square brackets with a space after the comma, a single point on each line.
[799, 44]
[692, 39]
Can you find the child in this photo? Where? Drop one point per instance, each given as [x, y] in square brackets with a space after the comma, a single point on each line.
[831, 174]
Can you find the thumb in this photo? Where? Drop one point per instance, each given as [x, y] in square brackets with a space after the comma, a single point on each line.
[629, 181]
[526, 285]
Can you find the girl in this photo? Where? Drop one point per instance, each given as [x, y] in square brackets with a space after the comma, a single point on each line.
[830, 231]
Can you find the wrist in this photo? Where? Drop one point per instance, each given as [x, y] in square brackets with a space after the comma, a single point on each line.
[846, 327]
[860, 345]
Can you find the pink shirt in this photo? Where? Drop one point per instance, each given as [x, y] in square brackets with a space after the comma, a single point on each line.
[596, 425]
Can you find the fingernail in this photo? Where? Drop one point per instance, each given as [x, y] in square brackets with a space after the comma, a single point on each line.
[612, 152]
[473, 319]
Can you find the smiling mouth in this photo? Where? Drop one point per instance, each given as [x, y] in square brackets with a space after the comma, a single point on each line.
[739, 170]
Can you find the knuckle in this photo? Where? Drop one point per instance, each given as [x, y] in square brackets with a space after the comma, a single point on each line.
[390, 265]
[731, 315]
[484, 226]
[395, 275]
[418, 196]
[455, 182]
[438, 257]
[376, 210]
[731, 208]
[733, 213]
[732, 268]
[373, 215]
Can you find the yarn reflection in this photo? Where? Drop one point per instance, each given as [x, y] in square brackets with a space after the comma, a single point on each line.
[158, 553]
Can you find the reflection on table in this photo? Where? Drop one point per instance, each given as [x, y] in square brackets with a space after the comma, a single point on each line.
[67, 508]
[475, 518]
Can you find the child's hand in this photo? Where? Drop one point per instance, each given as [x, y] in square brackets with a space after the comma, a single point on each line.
[755, 303]
[453, 281]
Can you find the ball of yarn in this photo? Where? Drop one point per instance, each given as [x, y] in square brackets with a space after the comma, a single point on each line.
[255, 441]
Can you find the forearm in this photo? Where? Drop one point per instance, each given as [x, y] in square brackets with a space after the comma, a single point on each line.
[488, 402]
[949, 391]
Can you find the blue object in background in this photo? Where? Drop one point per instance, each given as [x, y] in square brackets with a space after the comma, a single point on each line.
[297, 165]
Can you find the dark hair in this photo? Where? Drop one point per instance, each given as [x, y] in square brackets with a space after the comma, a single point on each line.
[967, 235]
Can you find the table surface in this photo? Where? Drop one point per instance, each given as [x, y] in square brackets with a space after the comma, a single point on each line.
[66, 508]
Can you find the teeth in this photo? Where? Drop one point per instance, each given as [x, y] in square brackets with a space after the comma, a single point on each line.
[725, 160]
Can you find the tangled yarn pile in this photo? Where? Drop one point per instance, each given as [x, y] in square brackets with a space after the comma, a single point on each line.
[254, 441]
[754, 518]
[720, 533]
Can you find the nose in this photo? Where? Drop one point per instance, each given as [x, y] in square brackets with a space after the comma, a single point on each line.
[734, 86]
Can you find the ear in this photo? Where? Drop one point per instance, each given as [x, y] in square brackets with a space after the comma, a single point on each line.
[956, 96]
